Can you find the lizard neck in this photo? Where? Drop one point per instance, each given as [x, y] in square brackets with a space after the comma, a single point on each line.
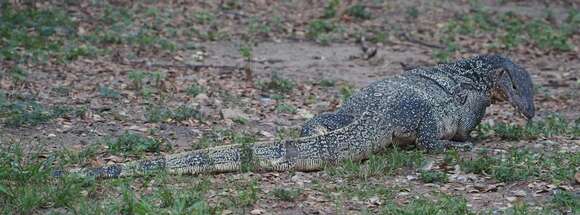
[479, 73]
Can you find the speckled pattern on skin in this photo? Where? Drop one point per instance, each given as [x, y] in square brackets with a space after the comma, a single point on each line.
[435, 108]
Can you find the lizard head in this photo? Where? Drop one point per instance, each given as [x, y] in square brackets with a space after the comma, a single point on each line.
[514, 84]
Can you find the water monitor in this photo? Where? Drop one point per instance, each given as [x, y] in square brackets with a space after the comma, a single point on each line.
[434, 108]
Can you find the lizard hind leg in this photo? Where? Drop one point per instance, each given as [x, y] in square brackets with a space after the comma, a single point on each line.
[324, 123]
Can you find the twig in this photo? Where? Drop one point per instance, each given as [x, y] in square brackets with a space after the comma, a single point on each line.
[413, 40]
[195, 67]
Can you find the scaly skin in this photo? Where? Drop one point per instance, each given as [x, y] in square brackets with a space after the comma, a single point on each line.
[435, 108]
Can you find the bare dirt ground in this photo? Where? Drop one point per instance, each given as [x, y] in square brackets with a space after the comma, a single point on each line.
[292, 73]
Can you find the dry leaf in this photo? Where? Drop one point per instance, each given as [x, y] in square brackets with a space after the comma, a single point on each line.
[114, 158]
[519, 193]
[257, 211]
[511, 198]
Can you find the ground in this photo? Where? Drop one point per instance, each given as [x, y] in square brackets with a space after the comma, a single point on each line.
[86, 83]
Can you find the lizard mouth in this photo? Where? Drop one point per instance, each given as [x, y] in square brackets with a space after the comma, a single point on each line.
[524, 108]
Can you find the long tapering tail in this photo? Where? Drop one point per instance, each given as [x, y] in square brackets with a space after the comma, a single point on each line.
[355, 141]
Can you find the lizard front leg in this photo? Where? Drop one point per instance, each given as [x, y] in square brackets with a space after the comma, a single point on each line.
[473, 109]
[429, 137]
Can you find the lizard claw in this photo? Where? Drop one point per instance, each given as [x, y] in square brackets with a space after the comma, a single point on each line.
[462, 146]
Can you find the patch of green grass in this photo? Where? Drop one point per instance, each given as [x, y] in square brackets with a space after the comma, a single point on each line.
[136, 77]
[433, 176]
[187, 201]
[247, 194]
[442, 205]
[277, 84]
[195, 89]
[119, 26]
[378, 165]
[288, 195]
[566, 202]
[481, 165]
[223, 136]
[552, 125]
[518, 165]
[204, 17]
[556, 167]
[183, 113]
[412, 12]
[512, 29]
[320, 28]
[62, 91]
[63, 111]
[480, 21]
[246, 52]
[213, 34]
[107, 92]
[78, 157]
[330, 9]
[327, 83]
[31, 34]
[346, 91]
[158, 113]
[359, 11]
[148, 38]
[548, 37]
[286, 108]
[3, 100]
[18, 74]
[521, 208]
[379, 37]
[20, 111]
[76, 51]
[26, 187]
[522, 165]
[133, 144]
[256, 26]
[241, 120]
[444, 55]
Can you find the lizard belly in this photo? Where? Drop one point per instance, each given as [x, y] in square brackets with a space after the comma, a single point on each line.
[405, 140]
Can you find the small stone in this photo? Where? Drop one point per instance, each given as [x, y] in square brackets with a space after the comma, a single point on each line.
[51, 135]
[577, 176]
[97, 118]
[267, 101]
[375, 201]
[511, 198]
[201, 98]
[519, 193]
[266, 134]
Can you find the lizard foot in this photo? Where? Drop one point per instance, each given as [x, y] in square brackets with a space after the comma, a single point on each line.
[461, 146]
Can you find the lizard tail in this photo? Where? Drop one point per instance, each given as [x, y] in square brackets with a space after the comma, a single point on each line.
[355, 141]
